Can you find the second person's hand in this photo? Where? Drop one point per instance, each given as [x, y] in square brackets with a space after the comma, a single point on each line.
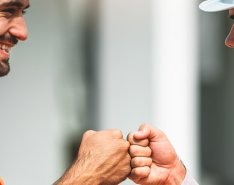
[155, 163]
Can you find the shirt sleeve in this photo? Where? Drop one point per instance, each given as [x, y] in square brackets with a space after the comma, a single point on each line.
[189, 180]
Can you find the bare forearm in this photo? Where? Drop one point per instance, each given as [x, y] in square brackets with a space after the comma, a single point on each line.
[103, 159]
[78, 175]
[83, 179]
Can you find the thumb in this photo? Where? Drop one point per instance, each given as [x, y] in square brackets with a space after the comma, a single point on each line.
[143, 132]
[148, 131]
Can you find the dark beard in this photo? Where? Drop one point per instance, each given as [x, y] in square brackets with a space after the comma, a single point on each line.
[4, 64]
[4, 68]
[8, 38]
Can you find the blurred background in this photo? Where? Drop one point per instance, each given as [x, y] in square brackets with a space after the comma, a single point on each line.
[116, 64]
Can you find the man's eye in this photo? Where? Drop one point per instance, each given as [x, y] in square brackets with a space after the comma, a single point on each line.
[9, 10]
[12, 12]
[24, 12]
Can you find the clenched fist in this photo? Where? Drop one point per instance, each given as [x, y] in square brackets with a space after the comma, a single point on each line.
[103, 159]
[154, 159]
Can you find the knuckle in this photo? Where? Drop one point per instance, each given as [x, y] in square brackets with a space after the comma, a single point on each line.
[126, 145]
[130, 138]
[88, 133]
[132, 150]
[149, 152]
[122, 146]
[117, 134]
[149, 161]
[144, 142]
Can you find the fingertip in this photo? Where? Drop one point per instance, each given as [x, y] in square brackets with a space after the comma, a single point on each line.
[140, 172]
[142, 133]
[141, 162]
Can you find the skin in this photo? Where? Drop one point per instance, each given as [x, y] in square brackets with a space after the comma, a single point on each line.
[104, 156]
[160, 166]
[229, 41]
[1, 181]
[103, 159]
[155, 162]
[12, 28]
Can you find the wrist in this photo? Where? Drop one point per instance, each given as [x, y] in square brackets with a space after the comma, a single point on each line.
[177, 175]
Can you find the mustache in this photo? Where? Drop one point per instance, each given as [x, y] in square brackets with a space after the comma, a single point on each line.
[8, 38]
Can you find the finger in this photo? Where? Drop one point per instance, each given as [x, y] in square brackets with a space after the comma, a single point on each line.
[139, 151]
[140, 142]
[143, 132]
[140, 172]
[141, 162]
[147, 131]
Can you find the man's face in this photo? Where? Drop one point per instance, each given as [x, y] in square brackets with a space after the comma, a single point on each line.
[229, 42]
[12, 29]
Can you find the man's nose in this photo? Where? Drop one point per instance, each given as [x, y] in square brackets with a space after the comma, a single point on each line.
[229, 41]
[18, 28]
